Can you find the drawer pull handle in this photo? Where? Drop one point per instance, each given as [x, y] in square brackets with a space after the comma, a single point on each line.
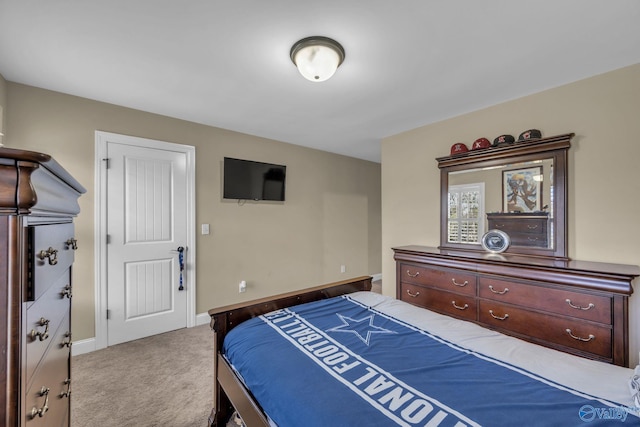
[577, 307]
[531, 227]
[464, 307]
[66, 292]
[66, 342]
[591, 337]
[35, 412]
[459, 284]
[68, 392]
[498, 292]
[50, 254]
[413, 275]
[412, 295]
[41, 335]
[532, 239]
[505, 317]
[73, 243]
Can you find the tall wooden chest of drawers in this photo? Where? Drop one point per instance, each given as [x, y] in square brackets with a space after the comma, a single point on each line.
[38, 201]
[575, 307]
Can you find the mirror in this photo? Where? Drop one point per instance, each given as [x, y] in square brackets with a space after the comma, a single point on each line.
[516, 198]
[519, 189]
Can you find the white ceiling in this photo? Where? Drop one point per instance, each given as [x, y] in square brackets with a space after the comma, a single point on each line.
[226, 63]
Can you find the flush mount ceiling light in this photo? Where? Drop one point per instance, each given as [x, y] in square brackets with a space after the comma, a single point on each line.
[317, 57]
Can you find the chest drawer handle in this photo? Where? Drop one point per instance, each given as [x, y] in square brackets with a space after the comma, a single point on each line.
[531, 227]
[459, 284]
[72, 243]
[35, 412]
[66, 342]
[50, 254]
[591, 337]
[577, 307]
[498, 292]
[41, 335]
[68, 392]
[463, 307]
[412, 295]
[413, 275]
[505, 317]
[66, 292]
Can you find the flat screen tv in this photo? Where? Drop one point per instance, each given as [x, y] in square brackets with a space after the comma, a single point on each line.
[249, 180]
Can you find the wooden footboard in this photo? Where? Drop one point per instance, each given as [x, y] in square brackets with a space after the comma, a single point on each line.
[229, 392]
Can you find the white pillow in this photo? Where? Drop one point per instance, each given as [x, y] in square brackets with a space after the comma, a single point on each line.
[634, 386]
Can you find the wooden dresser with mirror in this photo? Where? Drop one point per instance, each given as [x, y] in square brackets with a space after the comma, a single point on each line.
[38, 201]
[532, 290]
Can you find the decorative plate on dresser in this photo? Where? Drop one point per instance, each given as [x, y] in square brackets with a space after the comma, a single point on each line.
[38, 201]
[495, 241]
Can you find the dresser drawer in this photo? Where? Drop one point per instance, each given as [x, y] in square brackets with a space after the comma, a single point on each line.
[52, 254]
[53, 307]
[524, 239]
[522, 230]
[575, 304]
[457, 305]
[52, 374]
[587, 337]
[449, 280]
[522, 226]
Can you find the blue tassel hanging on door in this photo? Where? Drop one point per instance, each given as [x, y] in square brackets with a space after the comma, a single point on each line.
[181, 261]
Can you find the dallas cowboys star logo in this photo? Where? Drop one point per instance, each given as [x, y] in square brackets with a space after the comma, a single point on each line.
[362, 328]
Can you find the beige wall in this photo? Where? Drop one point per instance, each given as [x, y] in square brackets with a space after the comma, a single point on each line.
[604, 188]
[331, 216]
[3, 102]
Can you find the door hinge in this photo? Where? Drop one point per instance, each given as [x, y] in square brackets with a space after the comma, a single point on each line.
[108, 314]
[108, 238]
[107, 162]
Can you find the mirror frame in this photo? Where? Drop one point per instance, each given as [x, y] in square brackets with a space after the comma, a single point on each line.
[555, 148]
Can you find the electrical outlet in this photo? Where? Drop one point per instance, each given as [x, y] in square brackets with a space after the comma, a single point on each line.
[242, 287]
[343, 269]
[205, 229]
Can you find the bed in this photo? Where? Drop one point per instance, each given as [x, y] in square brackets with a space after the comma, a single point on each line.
[340, 355]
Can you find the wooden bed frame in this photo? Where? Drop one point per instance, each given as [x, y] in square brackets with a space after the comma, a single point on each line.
[229, 392]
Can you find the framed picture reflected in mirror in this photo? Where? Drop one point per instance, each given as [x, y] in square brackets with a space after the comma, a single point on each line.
[522, 190]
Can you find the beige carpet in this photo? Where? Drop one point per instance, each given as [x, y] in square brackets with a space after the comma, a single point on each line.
[164, 380]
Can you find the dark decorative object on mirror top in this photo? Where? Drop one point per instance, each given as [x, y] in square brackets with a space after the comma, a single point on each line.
[501, 141]
[529, 135]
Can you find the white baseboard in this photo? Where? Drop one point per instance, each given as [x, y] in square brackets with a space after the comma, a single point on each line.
[377, 277]
[89, 345]
[202, 319]
[83, 346]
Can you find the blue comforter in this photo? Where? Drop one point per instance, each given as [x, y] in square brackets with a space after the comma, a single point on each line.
[338, 363]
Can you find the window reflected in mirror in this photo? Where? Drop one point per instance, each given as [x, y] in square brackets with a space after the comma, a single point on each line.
[466, 213]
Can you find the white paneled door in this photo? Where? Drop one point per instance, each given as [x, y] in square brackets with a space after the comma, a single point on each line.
[146, 211]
